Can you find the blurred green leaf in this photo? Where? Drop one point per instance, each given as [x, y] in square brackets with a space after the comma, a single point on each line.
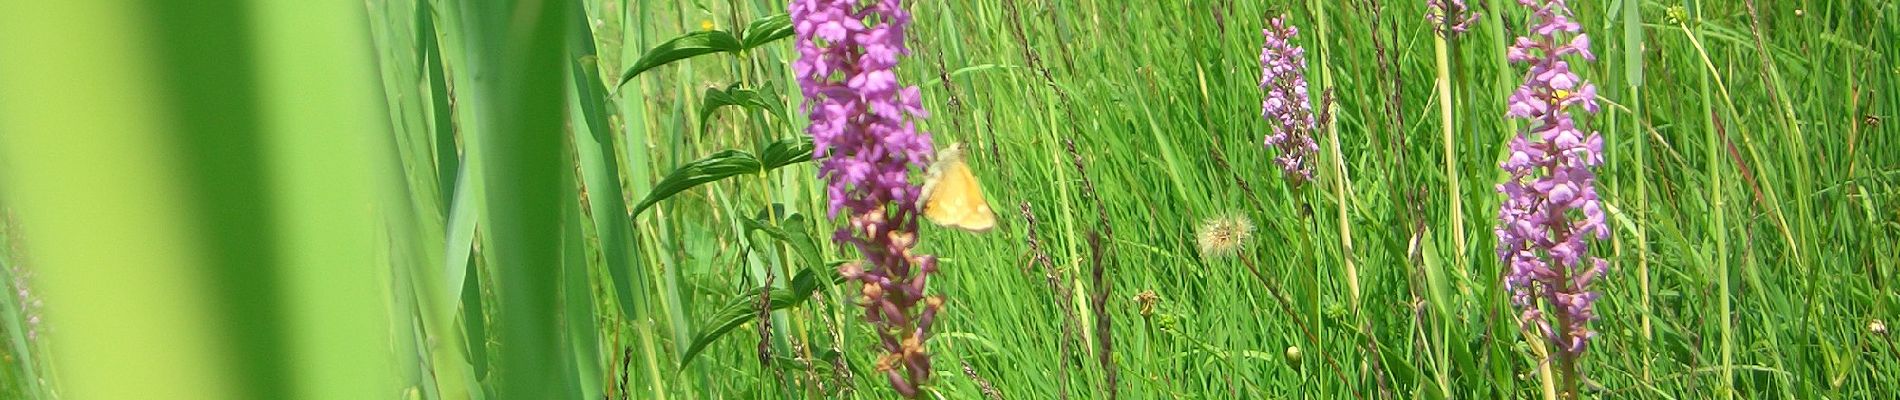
[527, 184]
[744, 308]
[577, 298]
[793, 231]
[680, 48]
[738, 96]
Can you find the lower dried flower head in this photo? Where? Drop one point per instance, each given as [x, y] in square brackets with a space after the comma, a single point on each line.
[1224, 236]
[1146, 301]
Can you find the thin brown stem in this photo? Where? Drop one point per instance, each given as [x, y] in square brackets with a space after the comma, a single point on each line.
[1287, 306]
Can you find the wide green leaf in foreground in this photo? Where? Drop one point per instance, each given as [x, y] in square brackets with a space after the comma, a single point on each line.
[197, 181]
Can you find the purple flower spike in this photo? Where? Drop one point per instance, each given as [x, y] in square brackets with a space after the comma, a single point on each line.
[1287, 106]
[1450, 16]
[866, 144]
[1551, 209]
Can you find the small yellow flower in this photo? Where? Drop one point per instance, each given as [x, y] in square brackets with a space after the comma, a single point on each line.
[706, 25]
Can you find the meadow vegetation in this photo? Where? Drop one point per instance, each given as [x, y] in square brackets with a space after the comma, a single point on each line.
[615, 199]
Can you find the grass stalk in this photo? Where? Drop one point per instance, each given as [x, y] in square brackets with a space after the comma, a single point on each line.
[1341, 192]
[1717, 220]
[1454, 189]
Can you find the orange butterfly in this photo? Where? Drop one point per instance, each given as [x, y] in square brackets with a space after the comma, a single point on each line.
[952, 197]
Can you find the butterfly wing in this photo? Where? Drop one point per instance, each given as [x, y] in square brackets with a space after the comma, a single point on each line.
[953, 198]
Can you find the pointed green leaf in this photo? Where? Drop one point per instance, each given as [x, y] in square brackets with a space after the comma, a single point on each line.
[720, 165]
[787, 151]
[680, 48]
[744, 308]
[793, 231]
[726, 164]
[737, 96]
[765, 30]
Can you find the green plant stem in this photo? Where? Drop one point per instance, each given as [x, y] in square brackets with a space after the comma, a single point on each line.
[1633, 60]
[1340, 190]
[1453, 189]
[1718, 228]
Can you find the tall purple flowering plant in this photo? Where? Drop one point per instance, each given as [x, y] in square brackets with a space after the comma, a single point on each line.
[1551, 209]
[865, 146]
[1287, 106]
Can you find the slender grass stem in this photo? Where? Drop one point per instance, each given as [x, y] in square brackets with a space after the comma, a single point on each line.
[1717, 220]
[1340, 178]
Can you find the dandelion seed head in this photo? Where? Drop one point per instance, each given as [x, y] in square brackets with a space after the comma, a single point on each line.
[1224, 236]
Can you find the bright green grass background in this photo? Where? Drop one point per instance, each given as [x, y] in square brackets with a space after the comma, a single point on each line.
[266, 200]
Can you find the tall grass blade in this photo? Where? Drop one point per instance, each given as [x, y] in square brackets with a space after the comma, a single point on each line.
[600, 170]
[517, 48]
[325, 136]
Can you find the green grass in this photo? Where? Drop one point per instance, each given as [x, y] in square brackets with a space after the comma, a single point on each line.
[534, 221]
[1146, 92]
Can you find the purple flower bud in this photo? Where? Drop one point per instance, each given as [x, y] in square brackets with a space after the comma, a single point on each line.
[1450, 17]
